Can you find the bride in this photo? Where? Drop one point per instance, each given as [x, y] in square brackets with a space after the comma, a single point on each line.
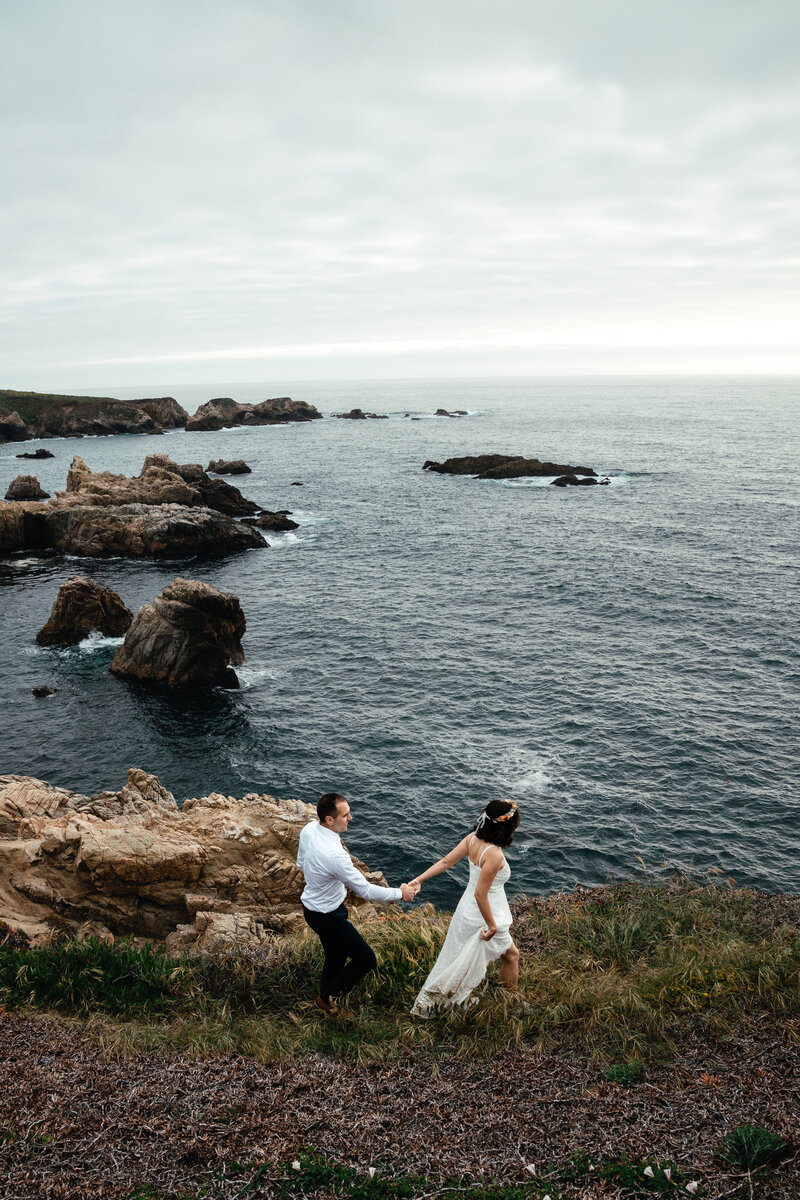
[479, 932]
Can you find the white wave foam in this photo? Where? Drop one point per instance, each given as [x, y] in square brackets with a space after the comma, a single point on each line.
[97, 641]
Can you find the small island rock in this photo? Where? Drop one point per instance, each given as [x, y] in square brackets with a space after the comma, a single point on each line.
[503, 466]
[276, 522]
[189, 636]
[236, 466]
[82, 606]
[40, 453]
[26, 487]
[226, 413]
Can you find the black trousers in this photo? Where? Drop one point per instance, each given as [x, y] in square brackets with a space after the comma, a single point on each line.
[348, 957]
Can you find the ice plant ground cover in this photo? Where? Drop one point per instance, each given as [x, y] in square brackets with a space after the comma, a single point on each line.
[620, 1070]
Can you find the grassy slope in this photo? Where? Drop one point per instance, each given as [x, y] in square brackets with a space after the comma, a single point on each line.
[31, 405]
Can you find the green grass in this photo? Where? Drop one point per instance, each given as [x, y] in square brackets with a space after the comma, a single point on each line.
[31, 405]
[315, 1175]
[622, 970]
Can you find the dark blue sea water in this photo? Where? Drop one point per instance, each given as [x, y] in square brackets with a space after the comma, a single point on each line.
[622, 661]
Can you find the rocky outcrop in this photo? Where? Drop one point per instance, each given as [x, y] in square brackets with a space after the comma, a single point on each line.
[169, 510]
[40, 453]
[124, 531]
[457, 412]
[26, 487]
[165, 411]
[190, 636]
[13, 428]
[358, 414]
[42, 691]
[576, 481]
[81, 607]
[276, 522]
[236, 467]
[225, 413]
[503, 466]
[131, 863]
[49, 415]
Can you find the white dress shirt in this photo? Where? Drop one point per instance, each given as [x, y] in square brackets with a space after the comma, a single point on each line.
[329, 870]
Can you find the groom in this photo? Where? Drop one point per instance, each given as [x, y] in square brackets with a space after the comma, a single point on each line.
[328, 871]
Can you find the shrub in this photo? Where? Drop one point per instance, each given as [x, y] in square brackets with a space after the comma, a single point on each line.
[749, 1147]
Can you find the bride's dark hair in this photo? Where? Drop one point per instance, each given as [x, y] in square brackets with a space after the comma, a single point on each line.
[497, 822]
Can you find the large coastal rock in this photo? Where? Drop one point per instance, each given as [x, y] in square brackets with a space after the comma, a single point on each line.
[165, 411]
[225, 413]
[190, 636]
[220, 871]
[13, 428]
[81, 607]
[50, 415]
[503, 466]
[169, 510]
[26, 487]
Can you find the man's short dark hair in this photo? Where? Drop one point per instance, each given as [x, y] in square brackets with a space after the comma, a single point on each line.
[328, 804]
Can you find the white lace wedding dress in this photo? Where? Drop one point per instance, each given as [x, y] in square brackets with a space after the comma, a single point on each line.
[464, 957]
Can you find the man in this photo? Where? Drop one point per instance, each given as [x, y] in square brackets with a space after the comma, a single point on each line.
[328, 871]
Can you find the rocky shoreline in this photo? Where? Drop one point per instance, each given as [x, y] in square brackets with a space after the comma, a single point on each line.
[27, 415]
[131, 863]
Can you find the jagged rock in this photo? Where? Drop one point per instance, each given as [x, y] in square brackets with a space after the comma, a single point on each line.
[190, 636]
[225, 413]
[219, 872]
[40, 453]
[42, 691]
[503, 466]
[165, 411]
[80, 607]
[13, 428]
[358, 414]
[276, 522]
[236, 467]
[26, 487]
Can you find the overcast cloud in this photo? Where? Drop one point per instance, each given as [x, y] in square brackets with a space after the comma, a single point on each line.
[251, 189]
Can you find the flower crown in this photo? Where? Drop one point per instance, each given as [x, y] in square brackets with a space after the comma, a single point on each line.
[484, 817]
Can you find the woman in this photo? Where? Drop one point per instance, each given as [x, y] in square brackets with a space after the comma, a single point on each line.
[479, 931]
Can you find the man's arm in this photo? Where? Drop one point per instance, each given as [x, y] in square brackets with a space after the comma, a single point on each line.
[342, 868]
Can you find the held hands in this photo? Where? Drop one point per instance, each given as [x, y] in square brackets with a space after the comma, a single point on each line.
[488, 933]
[409, 890]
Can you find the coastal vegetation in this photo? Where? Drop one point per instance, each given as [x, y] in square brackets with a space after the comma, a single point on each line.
[650, 1050]
[624, 971]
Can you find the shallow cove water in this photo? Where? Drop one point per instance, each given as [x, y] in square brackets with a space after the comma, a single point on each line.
[622, 660]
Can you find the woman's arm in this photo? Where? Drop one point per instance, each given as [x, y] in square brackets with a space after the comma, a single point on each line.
[493, 860]
[444, 864]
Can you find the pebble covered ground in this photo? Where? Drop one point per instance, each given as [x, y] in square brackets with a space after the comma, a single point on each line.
[76, 1123]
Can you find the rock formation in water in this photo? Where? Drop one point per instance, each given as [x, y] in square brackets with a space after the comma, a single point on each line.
[457, 412]
[26, 487]
[576, 481]
[503, 466]
[189, 636]
[81, 607]
[358, 414]
[276, 522]
[40, 453]
[225, 413]
[169, 510]
[218, 872]
[236, 466]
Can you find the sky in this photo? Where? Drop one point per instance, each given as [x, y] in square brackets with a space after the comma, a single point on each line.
[210, 190]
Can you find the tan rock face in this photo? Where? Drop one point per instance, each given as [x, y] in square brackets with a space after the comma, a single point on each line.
[219, 872]
[25, 487]
[190, 636]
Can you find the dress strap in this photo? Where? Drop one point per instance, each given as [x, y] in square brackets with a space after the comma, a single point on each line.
[480, 856]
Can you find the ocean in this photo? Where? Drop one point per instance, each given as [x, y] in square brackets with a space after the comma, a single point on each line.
[622, 661]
